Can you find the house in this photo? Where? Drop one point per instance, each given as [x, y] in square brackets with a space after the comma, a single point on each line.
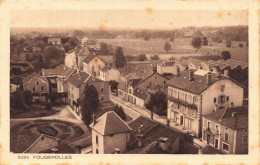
[84, 40]
[71, 58]
[108, 59]
[227, 130]
[36, 83]
[54, 41]
[62, 85]
[108, 73]
[169, 67]
[191, 95]
[109, 134]
[81, 54]
[15, 83]
[43, 142]
[92, 64]
[76, 87]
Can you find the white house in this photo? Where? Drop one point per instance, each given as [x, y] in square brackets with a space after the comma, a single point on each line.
[191, 95]
[109, 134]
[108, 73]
[92, 64]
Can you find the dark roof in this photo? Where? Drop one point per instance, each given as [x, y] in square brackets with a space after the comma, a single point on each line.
[110, 123]
[211, 150]
[231, 64]
[32, 75]
[134, 82]
[58, 71]
[198, 84]
[142, 94]
[69, 73]
[241, 63]
[122, 85]
[153, 74]
[90, 57]
[125, 72]
[16, 80]
[187, 148]
[167, 63]
[78, 79]
[224, 117]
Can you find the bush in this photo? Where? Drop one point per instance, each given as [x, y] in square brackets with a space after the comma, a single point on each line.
[225, 55]
[142, 57]
[154, 57]
[47, 130]
[120, 112]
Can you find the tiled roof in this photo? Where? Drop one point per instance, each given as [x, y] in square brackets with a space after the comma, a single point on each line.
[68, 73]
[107, 58]
[16, 80]
[211, 150]
[58, 71]
[231, 64]
[167, 63]
[90, 57]
[186, 148]
[225, 118]
[110, 123]
[197, 85]
[242, 64]
[142, 94]
[125, 72]
[134, 82]
[122, 86]
[32, 75]
[105, 68]
[83, 52]
[78, 79]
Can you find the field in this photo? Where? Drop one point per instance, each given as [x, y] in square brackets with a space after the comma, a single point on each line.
[179, 48]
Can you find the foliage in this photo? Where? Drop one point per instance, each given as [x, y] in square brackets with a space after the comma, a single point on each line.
[225, 55]
[120, 112]
[198, 34]
[119, 57]
[167, 46]
[106, 49]
[52, 56]
[78, 33]
[113, 85]
[40, 44]
[205, 41]
[89, 103]
[73, 42]
[196, 42]
[66, 47]
[157, 102]
[16, 100]
[142, 57]
[155, 57]
[146, 35]
[27, 96]
[228, 44]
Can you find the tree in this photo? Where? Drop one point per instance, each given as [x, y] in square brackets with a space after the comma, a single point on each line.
[119, 57]
[106, 49]
[228, 44]
[89, 103]
[155, 57]
[198, 34]
[167, 46]
[196, 42]
[225, 55]
[17, 100]
[40, 44]
[120, 112]
[142, 57]
[78, 33]
[73, 42]
[146, 35]
[52, 56]
[66, 47]
[205, 41]
[157, 102]
[27, 96]
[113, 85]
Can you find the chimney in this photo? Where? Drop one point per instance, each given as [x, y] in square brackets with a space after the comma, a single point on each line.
[117, 150]
[78, 149]
[234, 114]
[191, 75]
[178, 72]
[94, 119]
[209, 78]
[226, 73]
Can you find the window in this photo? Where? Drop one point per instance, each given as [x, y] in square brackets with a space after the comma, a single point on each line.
[227, 98]
[225, 147]
[34, 89]
[217, 130]
[222, 87]
[221, 99]
[101, 98]
[226, 137]
[96, 151]
[215, 99]
[37, 83]
[96, 139]
[101, 90]
[41, 88]
[245, 139]
[208, 125]
[111, 135]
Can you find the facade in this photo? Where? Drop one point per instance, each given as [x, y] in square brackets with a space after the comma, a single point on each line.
[54, 41]
[36, 83]
[109, 134]
[92, 64]
[76, 87]
[108, 73]
[227, 130]
[62, 85]
[169, 67]
[71, 58]
[192, 95]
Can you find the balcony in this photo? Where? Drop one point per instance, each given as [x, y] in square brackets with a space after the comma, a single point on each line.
[184, 103]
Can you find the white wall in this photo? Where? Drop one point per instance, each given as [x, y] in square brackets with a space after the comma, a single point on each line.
[70, 59]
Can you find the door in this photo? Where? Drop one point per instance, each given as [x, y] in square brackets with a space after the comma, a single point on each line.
[216, 143]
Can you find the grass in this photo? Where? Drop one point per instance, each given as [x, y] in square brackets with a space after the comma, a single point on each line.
[47, 130]
[34, 111]
[62, 128]
[77, 131]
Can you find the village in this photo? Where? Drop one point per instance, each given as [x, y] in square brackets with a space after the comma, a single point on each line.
[86, 95]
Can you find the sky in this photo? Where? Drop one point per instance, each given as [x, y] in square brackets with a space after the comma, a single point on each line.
[134, 19]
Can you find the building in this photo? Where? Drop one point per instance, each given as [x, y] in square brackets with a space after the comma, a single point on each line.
[169, 67]
[108, 59]
[227, 130]
[44, 142]
[109, 134]
[108, 73]
[71, 58]
[15, 83]
[92, 64]
[62, 85]
[76, 87]
[191, 95]
[54, 41]
[81, 54]
[36, 83]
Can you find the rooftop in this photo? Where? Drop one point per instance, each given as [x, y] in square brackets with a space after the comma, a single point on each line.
[224, 117]
[110, 123]
[30, 76]
[90, 57]
[78, 79]
[58, 71]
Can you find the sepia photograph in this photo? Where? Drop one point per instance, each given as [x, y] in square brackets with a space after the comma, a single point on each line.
[157, 83]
